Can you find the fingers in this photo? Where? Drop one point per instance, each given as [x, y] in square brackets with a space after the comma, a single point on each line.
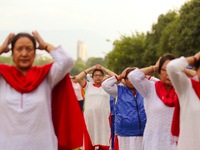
[35, 35]
[98, 66]
[38, 38]
[9, 39]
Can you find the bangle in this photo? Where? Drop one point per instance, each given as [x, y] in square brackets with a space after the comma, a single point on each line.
[46, 47]
[85, 72]
[120, 77]
[153, 68]
[107, 70]
[149, 77]
[195, 60]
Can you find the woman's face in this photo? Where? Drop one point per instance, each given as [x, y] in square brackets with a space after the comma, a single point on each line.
[163, 74]
[97, 77]
[23, 53]
[128, 83]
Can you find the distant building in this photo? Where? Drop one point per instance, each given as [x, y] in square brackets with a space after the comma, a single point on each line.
[81, 51]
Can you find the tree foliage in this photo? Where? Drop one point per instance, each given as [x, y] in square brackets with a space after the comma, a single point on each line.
[176, 32]
[126, 52]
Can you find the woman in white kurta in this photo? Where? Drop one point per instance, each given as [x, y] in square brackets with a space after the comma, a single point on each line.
[97, 109]
[25, 118]
[159, 111]
[189, 100]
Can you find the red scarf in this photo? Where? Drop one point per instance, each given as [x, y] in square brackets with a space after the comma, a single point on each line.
[176, 118]
[168, 98]
[66, 114]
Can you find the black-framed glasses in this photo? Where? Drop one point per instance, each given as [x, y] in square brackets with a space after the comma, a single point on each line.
[163, 69]
[98, 75]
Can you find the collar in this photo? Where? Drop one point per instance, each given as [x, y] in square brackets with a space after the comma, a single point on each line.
[97, 85]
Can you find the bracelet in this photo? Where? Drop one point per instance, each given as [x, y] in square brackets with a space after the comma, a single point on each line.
[107, 70]
[153, 68]
[85, 72]
[46, 47]
[195, 60]
[120, 77]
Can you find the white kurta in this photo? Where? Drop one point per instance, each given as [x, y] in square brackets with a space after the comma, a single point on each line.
[189, 137]
[96, 114]
[77, 90]
[157, 133]
[25, 119]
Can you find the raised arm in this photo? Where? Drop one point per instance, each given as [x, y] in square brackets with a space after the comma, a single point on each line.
[63, 62]
[4, 48]
[142, 85]
[80, 76]
[176, 72]
[137, 78]
[109, 72]
[109, 85]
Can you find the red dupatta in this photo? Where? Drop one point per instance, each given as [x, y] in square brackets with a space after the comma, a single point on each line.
[66, 114]
[175, 129]
[169, 98]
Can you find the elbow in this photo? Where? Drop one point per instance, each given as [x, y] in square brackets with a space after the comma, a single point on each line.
[171, 68]
[106, 87]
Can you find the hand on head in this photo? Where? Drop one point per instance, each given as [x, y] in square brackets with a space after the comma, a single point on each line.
[197, 55]
[157, 65]
[124, 72]
[4, 48]
[98, 66]
[42, 44]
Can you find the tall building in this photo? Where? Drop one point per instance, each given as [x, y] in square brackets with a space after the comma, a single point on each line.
[81, 51]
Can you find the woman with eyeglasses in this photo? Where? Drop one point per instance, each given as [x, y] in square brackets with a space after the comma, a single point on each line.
[97, 109]
[159, 102]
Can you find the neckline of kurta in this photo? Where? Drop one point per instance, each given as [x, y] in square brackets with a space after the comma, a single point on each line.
[97, 85]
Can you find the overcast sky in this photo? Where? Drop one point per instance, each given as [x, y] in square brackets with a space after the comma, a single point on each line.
[103, 19]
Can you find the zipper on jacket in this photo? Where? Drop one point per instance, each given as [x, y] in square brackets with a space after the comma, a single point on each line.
[138, 115]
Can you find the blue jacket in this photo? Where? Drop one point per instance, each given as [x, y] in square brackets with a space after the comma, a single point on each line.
[112, 105]
[130, 116]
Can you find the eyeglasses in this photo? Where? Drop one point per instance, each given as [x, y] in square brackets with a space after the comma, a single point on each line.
[98, 75]
[164, 69]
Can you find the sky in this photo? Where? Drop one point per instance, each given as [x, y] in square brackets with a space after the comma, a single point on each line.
[64, 22]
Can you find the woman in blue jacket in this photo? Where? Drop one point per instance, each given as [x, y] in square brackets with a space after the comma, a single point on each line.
[130, 117]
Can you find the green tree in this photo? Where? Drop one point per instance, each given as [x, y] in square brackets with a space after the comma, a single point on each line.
[78, 67]
[152, 48]
[188, 29]
[42, 61]
[127, 52]
[95, 60]
[6, 60]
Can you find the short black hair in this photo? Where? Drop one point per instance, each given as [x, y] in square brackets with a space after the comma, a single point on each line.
[16, 37]
[97, 70]
[197, 64]
[128, 71]
[163, 59]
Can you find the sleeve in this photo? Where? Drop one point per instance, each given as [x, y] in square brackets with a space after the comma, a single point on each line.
[154, 79]
[90, 79]
[142, 85]
[196, 78]
[110, 86]
[175, 70]
[63, 63]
